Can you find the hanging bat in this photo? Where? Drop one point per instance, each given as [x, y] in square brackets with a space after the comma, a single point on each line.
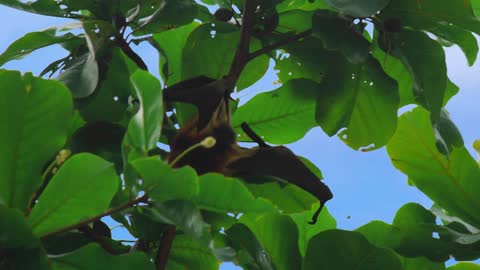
[226, 156]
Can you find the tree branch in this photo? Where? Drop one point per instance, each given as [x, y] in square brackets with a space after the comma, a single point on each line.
[243, 50]
[129, 52]
[165, 246]
[279, 44]
[124, 206]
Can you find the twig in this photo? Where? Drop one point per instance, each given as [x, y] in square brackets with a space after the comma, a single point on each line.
[165, 246]
[279, 44]
[124, 206]
[122, 43]
[88, 232]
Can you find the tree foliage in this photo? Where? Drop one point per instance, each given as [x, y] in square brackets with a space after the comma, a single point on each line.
[80, 141]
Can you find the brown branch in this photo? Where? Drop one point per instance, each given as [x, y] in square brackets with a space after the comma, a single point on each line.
[88, 232]
[165, 246]
[254, 136]
[279, 44]
[243, 50]
[129, 52]
[78, 225]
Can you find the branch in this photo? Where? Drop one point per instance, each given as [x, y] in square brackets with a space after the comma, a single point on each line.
[243, 50]
[129, 52]
[279, 44]
[165, 246]
[124, 206]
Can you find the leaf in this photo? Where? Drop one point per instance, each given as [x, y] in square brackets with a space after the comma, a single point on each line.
[412, 235]
[337, 249]
[302, 5]
[292, 106]
[200, 60]
[19, 248]
[185, 216]
[171, 43]
[81, 189]
[464, 266]
[145, 126]
[190, 254]
[223, 194]
[362, 99]
[37, 113]
[423, 57]
[93, 256]
[421, 263]
[359, 8]
[306, 231]
[464, 39]
[452, 183]
[279, 236]
[157, 180]
[250, 252]
[33, 41]
[339, 33]
[288, 198]
[446, 133]
[427, 14]
[110, 100]
[44, 7]
[169, 14]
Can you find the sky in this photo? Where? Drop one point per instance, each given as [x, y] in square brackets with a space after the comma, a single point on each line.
[366, 186]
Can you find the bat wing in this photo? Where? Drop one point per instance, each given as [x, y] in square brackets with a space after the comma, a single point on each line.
[280, 162]
[203, 92]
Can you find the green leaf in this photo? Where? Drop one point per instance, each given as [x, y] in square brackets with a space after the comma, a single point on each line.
[294, 21]
[37, 113]
[81, 189]
[452, 183]
[427, 14]
[270, 229]
[292, 106]
[359, 8]
[19, 248]
[110, 100]
[464, 39]
[81, 75]
[157, 180]
[412, 235]
[423, 57]
[362, 99]
[223, 194]
[33, 41]
[171, 43]
[185, 216]
[288, 198]
[339, 33]
[250, 253]
[44, 7]
[421, 263]
[169, 14]
[302, 5]
[95, 257]
[306, 231]
[190, 254]
[199, 58]
[344, 250]
[145, 126]
[464, 266]
[446, 133]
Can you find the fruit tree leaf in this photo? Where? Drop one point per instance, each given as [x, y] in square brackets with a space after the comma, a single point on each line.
[93, 256]
[452, 183]
[82, 188]
[344, 250]
[359, 8]
[36, 115]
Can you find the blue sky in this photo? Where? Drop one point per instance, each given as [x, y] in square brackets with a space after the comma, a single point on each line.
[365, 184]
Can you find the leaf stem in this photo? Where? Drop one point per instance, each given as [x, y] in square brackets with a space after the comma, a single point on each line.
[122, 43]
[124, 206]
